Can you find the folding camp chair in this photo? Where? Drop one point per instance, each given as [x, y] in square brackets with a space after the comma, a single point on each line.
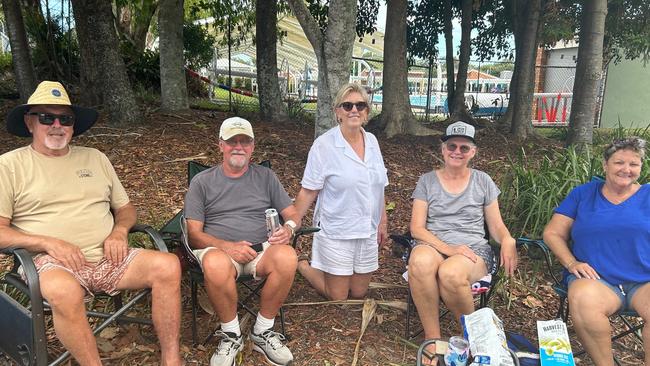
[482, 289]
[537, 248]
[22, 318]
[174, 232]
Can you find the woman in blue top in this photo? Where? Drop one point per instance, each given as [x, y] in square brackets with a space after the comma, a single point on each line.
[608, 264]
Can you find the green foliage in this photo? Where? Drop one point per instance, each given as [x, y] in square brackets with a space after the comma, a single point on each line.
[234, 17]
[627, 30]
[144, 71]
[54, 51]
[6, 63]
[533, 188]
[198, 44]
[366, 14]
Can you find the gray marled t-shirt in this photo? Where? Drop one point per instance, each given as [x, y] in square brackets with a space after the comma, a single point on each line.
[458, 218]
[233, 208]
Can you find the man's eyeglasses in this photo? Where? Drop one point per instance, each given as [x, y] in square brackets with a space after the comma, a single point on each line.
[49, 118]
[245, 142]
[347, 106]
[463, 148]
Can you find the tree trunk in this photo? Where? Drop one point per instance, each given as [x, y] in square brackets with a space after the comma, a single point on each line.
[333, 52]
[173, 85]
[459, 112]
[134, 21]
[266, 18]
[449, 56]
[589, 70]
[98, 38]
[396, 114]
[22, 61]
[521, 97]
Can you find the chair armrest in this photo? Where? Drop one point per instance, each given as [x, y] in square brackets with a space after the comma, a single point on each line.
[545, 250]
[304, 230]
[23, 258]
[154, 235]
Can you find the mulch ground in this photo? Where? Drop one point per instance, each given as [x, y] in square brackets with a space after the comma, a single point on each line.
[151, 162]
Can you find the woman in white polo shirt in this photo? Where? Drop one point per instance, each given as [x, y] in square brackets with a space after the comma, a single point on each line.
[346, 172]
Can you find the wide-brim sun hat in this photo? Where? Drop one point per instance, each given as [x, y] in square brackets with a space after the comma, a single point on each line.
[459, 129]
[49, 93]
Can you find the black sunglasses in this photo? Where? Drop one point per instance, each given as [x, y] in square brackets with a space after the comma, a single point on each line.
[49, 118]
[347, 106]
[463, 148]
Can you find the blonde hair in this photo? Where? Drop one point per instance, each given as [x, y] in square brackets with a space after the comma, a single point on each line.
[351, 88]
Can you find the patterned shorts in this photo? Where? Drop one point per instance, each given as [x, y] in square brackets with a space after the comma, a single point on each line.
[102, 276]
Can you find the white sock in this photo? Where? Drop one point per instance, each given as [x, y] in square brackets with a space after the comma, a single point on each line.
[262, 324]
[232, 326]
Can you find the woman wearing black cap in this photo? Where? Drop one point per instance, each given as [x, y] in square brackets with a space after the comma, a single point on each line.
[451, 206]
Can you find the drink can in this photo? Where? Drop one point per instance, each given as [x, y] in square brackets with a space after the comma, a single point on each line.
[457, 352]
[272, 221]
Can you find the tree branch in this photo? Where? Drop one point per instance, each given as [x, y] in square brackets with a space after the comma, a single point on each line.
[308, 24]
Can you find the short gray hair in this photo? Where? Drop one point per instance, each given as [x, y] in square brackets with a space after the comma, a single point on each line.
[633, 143]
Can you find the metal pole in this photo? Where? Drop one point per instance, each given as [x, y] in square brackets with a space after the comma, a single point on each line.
[229, 70]
[429, 79]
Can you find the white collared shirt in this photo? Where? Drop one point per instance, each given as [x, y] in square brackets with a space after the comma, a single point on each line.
[351, 197]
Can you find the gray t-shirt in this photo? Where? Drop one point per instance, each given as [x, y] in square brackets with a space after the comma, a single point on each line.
[233, 208]
[458, 218]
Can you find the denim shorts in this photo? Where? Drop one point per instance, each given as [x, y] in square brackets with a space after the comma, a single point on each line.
[625, 291]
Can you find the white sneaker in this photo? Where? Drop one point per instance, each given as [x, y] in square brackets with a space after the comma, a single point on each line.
[269, 343]
[227, 350]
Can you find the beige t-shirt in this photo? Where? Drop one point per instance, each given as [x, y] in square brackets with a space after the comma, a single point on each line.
[67, 197]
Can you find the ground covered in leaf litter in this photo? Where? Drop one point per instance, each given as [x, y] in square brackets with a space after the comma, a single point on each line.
[151, 162]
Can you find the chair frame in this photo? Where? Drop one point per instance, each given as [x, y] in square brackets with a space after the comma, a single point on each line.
[406, 241]
[561, 290]
[29, 344]
[178, 237]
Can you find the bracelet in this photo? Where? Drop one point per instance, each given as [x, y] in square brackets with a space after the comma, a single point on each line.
[568, 266]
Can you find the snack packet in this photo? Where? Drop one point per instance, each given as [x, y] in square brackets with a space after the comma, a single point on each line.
[554, 345]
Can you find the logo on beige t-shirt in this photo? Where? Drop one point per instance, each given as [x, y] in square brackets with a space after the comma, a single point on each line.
[84, 173]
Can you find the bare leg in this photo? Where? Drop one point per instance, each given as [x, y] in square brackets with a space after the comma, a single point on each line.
[456, 275]
[220, 283]
[162, 273]
[278, 265]
[641, 303]
[590, 305]
[334, 287]
[359, 285]
[423, 282]
[65, 295]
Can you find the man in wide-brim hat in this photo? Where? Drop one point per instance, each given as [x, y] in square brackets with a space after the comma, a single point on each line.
[66, 205]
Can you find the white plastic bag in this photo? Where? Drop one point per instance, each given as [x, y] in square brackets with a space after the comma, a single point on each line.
[487, 340]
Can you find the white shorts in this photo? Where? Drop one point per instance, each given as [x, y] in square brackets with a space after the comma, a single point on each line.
[345, 257]
[249, 268]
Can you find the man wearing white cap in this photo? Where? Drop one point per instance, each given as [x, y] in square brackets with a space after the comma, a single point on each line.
[225, 211]
[65, 204]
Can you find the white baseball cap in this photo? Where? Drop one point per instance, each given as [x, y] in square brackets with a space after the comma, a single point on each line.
[459, 129]
[234, 126]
